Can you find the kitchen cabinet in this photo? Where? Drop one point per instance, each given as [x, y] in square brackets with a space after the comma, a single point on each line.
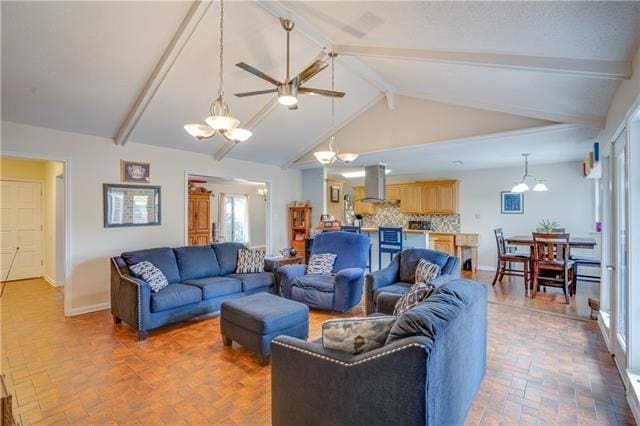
[410, 198]
[392, 192]
[442, 242]
[439, 197]
[358, 206]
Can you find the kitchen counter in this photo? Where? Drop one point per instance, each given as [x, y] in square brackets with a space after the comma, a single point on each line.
[412, 231]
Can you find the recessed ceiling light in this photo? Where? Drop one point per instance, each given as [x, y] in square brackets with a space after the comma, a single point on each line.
[458, 162]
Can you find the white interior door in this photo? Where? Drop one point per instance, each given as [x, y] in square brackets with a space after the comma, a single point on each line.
[21, 226]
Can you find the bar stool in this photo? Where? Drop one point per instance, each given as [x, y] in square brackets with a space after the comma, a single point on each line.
[389, 241]
[357, 230]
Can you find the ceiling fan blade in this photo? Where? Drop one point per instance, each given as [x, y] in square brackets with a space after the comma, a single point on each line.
[256, 92]
[311, 70]
[257, 73]
[322, 92]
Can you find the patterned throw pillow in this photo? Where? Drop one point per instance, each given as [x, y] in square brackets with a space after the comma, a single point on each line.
[426, 271]
[356, 335]
[321, 263]
[416, 294]
[250, 260]
[150, 274]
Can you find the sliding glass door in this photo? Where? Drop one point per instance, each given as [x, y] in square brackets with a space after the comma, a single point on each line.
[620, 251]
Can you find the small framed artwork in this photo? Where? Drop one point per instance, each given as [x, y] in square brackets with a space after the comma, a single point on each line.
[135, 172]
[511, 202]
[335, 194]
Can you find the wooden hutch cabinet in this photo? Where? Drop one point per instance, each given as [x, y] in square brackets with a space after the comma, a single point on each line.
[299, 225]
[199, 218]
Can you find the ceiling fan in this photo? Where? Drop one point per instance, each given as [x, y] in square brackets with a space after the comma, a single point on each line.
[289, 89]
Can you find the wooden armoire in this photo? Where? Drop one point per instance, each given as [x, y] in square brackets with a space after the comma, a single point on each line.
[199, 217]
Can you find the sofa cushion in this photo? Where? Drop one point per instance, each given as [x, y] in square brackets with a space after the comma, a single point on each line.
[409, 259]
[196, 262]
[174, 296]
[431, 316]
[264, 313]
[256, 280]
[162, 258]
[395, 288]
[356, 335]
[324, 283]
[227, 254]
[250, 261]
[150, 274]
[216, 286]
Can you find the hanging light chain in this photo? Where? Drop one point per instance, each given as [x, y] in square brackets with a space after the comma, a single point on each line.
[221, 49]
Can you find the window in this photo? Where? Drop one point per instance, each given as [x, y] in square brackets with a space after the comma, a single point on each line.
[236, 218]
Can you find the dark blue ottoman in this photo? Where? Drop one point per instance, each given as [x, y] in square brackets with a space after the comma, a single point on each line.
[254, 321]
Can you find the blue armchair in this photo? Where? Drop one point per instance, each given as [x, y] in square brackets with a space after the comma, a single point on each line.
[384, 287]
[340, 291]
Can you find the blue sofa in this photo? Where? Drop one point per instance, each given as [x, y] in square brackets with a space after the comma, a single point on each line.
[427, 373]
[340, 291]
[384, 287]
[200, 279]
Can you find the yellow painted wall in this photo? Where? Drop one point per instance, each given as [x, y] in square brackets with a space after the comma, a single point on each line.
[45, 172]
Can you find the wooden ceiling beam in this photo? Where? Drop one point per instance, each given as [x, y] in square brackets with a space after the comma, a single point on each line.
[189, 24]
[591, 68]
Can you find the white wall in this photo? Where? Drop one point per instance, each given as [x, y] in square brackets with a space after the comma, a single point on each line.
[569, 201]
[257, 208]
[94, 161]
[314, 188]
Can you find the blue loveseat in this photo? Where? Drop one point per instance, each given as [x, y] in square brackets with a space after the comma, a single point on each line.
[427, 373]
[384, 287]
[200, 279]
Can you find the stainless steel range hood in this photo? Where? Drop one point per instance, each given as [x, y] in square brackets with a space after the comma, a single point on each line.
[374, 184]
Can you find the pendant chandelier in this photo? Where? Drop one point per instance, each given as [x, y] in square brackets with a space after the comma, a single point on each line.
[219, 120]
[328, 157]
[522, 185]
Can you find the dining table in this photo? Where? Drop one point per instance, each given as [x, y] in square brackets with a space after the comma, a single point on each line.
[574, 242]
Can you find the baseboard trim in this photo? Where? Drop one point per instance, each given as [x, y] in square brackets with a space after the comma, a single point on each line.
[486, 268]
[633, 397]
[49, 280]
[90, 308]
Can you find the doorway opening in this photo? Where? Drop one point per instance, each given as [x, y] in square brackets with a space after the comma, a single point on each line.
[227, 210]
[33, 221]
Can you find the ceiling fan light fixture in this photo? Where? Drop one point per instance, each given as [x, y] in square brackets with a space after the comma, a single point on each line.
[288, 94]
[348, 157]
[199, 131]
[238, 135]
[325, 157]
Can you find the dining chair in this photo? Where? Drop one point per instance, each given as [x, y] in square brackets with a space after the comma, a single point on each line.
[552, 266]
[389, 241]
[553, 231]
[505, 260]
[356, 230]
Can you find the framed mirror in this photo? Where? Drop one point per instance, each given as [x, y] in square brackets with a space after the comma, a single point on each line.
[131, 205]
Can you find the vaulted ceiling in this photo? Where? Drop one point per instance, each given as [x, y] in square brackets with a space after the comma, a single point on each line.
[139, 71]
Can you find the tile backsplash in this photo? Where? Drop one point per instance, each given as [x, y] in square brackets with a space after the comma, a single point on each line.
[389, 214]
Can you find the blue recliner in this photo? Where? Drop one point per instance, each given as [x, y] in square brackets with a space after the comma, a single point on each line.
[384, 287]
[340, 291]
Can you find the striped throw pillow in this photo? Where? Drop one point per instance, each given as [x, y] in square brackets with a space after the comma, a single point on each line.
[416, 294]
[150, 274]
[321, 263]
[426, 271]
[250, 261]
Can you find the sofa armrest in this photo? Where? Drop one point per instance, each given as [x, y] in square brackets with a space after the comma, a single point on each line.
[130, 298]
[286, 275]
[348, 288]
[378, 279]
[386, 374]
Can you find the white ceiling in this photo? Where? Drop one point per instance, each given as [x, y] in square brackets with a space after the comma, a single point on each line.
[79, 66]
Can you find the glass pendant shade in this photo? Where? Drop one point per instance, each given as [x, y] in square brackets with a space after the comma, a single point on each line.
[222, 123]
[325, 157]
[199, 131]
[347, 157]
[521, 187]
[540, 187]
[238, 135]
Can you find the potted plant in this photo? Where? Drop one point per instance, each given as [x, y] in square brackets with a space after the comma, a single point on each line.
[547, 226]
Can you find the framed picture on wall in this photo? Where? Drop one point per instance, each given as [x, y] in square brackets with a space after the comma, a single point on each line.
[511, 202]
[335, 194]
[135, 172]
